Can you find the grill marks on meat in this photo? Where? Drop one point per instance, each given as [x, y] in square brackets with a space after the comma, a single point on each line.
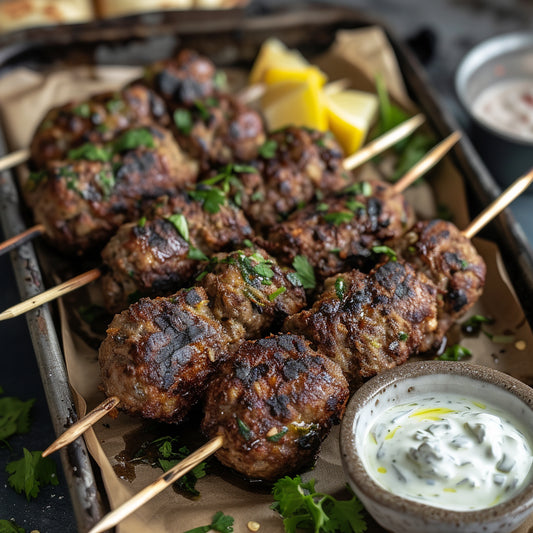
[305, 161]
[158, 355]
[219, 130]
[376, 322]
[183, 79]
[338, 233]
[273, 402]
[82, 203]
[449, 259]
[153, 258]
[250, 293]
[97, 120]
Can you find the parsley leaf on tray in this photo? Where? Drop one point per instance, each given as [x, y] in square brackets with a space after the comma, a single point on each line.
[220, 522]
[8, 526]
[14, 416]
[303, 508]
[29, 474]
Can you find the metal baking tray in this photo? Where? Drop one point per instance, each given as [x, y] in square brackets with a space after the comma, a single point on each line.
[231, 39]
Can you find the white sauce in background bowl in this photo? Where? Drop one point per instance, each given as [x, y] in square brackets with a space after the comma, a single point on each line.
[507, 106]
[452, 453]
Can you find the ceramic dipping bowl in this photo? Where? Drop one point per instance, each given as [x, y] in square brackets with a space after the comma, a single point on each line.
[407, 384]
[501, 141]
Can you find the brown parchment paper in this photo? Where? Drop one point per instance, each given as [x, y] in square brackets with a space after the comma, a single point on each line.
[25, 97]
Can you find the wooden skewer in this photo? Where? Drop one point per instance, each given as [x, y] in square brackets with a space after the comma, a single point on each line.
[379, 145]
[14, 158]
[160, 484]
[511, 193]
[425, 164]
[21, 238]
[51, 294]
[77, 429]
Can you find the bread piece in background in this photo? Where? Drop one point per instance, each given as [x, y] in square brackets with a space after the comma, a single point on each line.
[219, 4]
[118, 8]
[18, 14]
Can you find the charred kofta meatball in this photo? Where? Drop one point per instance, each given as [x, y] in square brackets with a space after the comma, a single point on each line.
[82, 201]
[339, 232]
[273, 402]
[159, 354]
[295, 163]
[450, 260]
[187, 77]
[250, 293]
[156, 256]
[219, 130]
[368, 323]
[96, 120]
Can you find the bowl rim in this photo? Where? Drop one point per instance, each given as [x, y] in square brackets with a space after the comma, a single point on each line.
[356, 472]
[493, 47]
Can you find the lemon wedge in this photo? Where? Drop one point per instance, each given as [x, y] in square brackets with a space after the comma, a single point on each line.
[350, 114]
[276, 63]
[302, 104]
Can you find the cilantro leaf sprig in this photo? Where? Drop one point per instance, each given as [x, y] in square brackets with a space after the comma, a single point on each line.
[454, 353]
[14, 416]
[304, 275]
[29, 474]
[303, 508]
[9, 526]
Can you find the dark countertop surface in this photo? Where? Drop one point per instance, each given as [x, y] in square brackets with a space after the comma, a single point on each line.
[443, 31]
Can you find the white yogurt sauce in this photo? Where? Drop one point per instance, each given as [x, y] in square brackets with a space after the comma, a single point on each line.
[452, 453]
[507, 106]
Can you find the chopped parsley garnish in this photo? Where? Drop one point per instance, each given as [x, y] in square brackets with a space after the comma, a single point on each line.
[322, 207]
[132, 139]
[248, 243]
[35, 178]
[277, 436]
[244, 430]
[382, 249]
[29, 474]
[339, 218]
[9, 526]
[257, 196]
[202, 109]
[261, 269]
[82, 110]
[403, 336]
[500, 339]
[304, 272]
[211, 198]
[90, 152]
[179, 221]
[276, 293]
[360, 187]
[141, 222]
[220, 522]
[115, 105]
[472, 326]
[301, 507]
[14, 416]
[107, 182]
[183, 121]
[354, 205]
[268, 149]
[455, 353]
[340, 287]
[220, 80]
[196, 254]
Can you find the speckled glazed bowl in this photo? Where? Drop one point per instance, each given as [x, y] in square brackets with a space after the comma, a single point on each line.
[436, 378]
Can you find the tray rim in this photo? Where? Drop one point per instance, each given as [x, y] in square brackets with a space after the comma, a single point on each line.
[510, 238]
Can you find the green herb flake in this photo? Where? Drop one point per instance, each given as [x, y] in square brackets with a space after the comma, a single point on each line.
[115, 105]
[14, 416]
[107, 182]
[210, 197]
[403, 336]
[294, 279]
[133, 139]
[472, 326]
[340, 287]
[29, 474]
[354, 205]
[276, 293]
[304, 271]
[301, 507]
[220, 80]
[322, 207]
[248, 243]
[90, 152]
[341, 217]
[36, 178]
[277, 436]
[196, 254]
[141, 222]
[201, 276]
[9, 526]
[257, 196]
[268, 149]
[220, 522]
[179, 221]
[455, 353]
[202, 109]
[382, 249]
[244, 430]
[82, 110]
[183, 121]
[500, 339]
